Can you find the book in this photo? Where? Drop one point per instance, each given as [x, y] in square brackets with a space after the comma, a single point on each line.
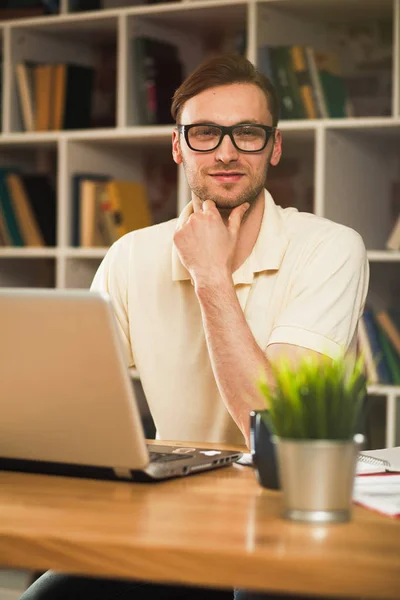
[283, 78]
[59, 94]
[390, 328]
[42, 197]
[300, 68]
[129, 204]
[369, 319]
[27, 222]
[4, 235]
[78, 97]
[390, 355]
[43, 86]
[25, 83]
[159, 73]
[264, 64]
[77, 180]
[8, 211]
[332, 84]
[366, 351]
[94, 226]
[104, 95]
[320, 100]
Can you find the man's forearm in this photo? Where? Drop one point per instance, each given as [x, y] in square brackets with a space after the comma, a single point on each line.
[237, 360]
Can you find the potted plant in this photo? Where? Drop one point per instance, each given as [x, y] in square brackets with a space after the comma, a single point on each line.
[313, 414]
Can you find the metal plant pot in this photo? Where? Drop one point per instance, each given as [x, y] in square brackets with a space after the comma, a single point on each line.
[317, 478]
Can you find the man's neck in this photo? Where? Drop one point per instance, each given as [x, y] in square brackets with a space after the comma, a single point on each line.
[249, 230]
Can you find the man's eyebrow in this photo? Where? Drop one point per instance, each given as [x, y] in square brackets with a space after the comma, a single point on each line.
[243, 122]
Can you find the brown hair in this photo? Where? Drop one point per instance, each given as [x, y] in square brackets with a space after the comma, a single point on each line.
[224, 70]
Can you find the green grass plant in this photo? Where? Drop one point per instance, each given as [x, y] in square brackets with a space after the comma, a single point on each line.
[318, 399]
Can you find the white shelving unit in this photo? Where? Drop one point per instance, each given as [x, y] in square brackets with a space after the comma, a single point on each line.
[349, 162]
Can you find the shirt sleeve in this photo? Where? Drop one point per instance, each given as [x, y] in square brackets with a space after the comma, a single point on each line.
[112, 277]
[327, 297]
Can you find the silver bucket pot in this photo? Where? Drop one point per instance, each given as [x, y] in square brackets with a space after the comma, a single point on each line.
[317, 478]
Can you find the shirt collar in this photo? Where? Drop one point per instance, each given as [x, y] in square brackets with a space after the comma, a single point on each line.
[267, 253]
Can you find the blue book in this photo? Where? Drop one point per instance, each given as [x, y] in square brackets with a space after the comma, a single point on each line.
[384, 374]
[264, 64]
[8, 209]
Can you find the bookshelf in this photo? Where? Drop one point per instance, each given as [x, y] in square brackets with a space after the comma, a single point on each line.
[347, 163]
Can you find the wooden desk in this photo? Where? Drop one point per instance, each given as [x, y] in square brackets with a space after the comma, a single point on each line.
[219, 528]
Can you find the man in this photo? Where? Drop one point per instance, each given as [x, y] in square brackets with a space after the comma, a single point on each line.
[206, 303]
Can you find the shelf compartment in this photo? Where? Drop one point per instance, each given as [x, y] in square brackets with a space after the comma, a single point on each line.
[27, 272]
[291, 182]
[79, 273]
[384, 286]
[37, 165]
[146, 162]
[366, 49]
[361, 168]
[195, 33]
[87, 44]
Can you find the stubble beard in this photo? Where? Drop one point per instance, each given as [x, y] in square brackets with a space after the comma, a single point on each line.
[204, 192]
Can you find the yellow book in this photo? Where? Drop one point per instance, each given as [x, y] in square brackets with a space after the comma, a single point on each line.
[129, 205]
[88, 213]
[299, 63]
[59, 96]
[43, 96]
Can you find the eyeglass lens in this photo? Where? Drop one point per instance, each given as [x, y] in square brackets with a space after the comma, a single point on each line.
[247, 137]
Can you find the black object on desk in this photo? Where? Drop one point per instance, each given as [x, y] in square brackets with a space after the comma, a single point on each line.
[263, 450]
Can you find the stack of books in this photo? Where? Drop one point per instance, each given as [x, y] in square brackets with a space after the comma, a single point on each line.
[55, 96]
[379, 343]
[104, 209]
[309, 82]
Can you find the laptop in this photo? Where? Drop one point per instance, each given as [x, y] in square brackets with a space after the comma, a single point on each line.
[67, 401]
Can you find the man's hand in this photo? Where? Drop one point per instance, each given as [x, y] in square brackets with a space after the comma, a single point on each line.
[206, 246]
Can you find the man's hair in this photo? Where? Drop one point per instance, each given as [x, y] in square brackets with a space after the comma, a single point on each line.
[224, 70]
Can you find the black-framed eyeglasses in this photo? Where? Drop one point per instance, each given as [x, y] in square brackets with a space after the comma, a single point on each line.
[248, 137]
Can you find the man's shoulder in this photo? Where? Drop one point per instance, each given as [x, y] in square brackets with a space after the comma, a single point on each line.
[307, 228]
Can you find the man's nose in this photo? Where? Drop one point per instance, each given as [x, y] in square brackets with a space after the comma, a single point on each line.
[226, 151]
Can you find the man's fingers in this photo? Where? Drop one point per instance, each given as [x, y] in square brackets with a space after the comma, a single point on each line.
[209, 205]
[236, 216]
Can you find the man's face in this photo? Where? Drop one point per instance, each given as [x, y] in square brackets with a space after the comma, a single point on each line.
[226, 175]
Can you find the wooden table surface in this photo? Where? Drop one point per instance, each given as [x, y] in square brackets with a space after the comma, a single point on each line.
[218, 528]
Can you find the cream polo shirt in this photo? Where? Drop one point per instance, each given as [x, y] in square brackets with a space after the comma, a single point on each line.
[304, 283]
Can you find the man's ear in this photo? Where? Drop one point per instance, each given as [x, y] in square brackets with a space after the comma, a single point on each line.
[277, 149]
[176, 147]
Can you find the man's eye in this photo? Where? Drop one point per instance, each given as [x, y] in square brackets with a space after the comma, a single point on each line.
[205, 132]
[251, 132]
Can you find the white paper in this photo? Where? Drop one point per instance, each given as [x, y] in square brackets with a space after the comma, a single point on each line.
[381, 493]
[246, 459]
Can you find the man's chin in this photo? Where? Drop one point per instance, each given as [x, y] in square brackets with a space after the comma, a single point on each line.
[230, 200]
[228, 203]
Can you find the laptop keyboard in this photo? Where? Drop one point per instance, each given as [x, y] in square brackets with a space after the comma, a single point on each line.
[167, 456]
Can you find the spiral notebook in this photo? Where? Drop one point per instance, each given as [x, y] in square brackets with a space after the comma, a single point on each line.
[379, 461]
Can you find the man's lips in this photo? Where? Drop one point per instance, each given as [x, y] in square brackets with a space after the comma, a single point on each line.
[228, 177]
